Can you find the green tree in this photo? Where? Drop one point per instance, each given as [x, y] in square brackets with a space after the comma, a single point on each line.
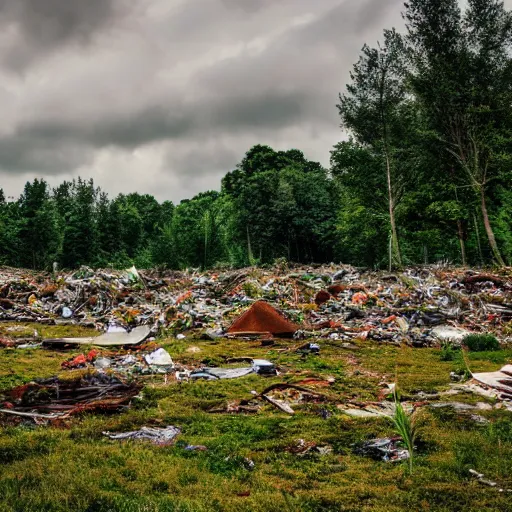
[38, 229]
[461, 74]
[80, 244]
[373, 109]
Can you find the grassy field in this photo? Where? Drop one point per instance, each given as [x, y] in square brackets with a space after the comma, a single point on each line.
[76, 468]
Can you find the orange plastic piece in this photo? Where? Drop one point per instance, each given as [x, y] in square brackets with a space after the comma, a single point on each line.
[360, 298]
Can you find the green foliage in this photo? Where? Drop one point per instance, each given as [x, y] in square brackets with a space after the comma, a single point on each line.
[481, 342]
[405, 427]
[448, 351]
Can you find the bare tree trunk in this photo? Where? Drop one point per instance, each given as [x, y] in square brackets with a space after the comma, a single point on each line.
[460, 232]
[390, 253]
[479, 245]
[395, 246]
[249, 249]
[489, 231]
[206, 239]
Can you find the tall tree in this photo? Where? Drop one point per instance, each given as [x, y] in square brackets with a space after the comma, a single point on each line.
[38, 229]
[80, 243]
[372, 110]
[461, 74]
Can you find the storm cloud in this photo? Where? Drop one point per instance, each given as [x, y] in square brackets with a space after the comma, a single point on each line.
[166, 96]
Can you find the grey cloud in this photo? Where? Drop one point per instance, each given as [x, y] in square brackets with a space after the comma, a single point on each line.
[156, 123]
[42, 25]
[174, 90]
[197, 163]
[249, 5]
[27, 154]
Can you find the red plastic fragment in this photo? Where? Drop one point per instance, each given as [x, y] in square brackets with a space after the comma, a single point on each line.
[322, 297]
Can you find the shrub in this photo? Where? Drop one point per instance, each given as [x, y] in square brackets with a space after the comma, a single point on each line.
[448, 352]
[481, 342]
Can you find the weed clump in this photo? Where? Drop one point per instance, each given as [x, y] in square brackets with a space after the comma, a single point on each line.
[481, 343]
[448, 351]
[405, 427]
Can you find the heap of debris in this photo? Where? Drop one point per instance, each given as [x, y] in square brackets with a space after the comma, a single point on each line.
[56, 399]
[417, 306]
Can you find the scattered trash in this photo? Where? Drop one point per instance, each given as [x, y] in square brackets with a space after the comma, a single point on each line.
[374, 409]
[481, 478]
[132, 275]
[159, 357]
[500, 382]
[54, 398]
[309, 348]
[322, 297]
[421, 307]
[280, 404]
[195, 448]
[156, 435]
[259, 366]
[102, 363]
[66, 312]
[284, 395]
[81, 360]
[386, 449]
[303, 448]
[448, 333]
[112, 327]
[109, 339]
[263, 367]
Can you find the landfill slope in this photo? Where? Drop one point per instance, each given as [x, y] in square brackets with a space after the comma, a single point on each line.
[337, 302]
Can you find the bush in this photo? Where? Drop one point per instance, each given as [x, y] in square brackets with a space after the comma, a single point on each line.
[448, 352]
[481, 342]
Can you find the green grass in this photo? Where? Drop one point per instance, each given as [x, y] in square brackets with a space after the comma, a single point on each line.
[481, 342]
[75, 468]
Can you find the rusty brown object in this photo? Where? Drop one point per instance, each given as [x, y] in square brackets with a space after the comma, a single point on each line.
[4, 291]
[482, 278]
[56, 398]
[6, 303]
[48, 291]
[336, 289]
[284, 385]
[262, 318]
[322, 297]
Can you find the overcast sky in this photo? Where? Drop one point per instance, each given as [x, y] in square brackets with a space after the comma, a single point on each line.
[165, 96]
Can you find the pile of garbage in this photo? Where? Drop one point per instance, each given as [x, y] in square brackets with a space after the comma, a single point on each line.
[419, 306]
[56, 399]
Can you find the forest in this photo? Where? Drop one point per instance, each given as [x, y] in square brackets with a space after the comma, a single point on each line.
[422, 174]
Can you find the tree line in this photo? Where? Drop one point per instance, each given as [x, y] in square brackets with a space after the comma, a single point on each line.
[424, 175]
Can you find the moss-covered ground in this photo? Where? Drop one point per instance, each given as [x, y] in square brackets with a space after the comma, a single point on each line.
[76, 468]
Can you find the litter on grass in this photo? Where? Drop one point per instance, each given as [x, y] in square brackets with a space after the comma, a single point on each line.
[57, 398]
[112, 338]
[156, 435]
[386, 449]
